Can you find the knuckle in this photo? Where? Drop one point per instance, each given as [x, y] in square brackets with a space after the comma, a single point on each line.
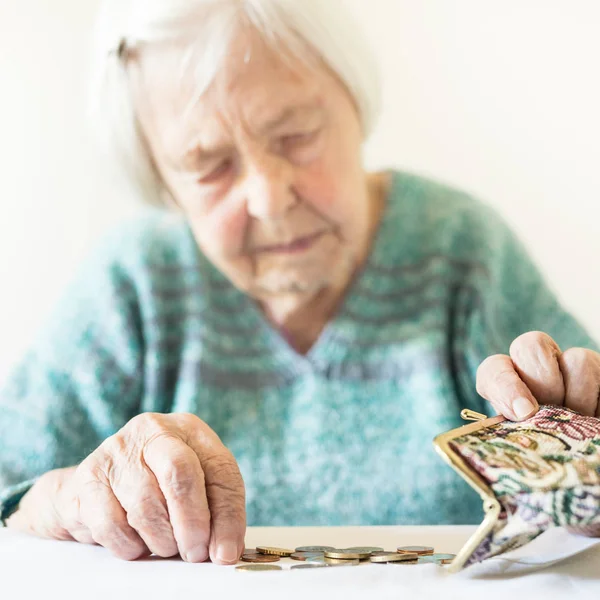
[189, 419]
[225, 468]
[577, 358]
[147, 423]
[229, 516]
[229, 505]
[180, 476]
[147, 513]
[92, 472]
[112, 450]
[531, 339]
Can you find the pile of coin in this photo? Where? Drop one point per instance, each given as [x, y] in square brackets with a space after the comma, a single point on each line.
[327, 556]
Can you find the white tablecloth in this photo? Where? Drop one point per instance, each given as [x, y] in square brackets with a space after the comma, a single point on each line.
[34, 568]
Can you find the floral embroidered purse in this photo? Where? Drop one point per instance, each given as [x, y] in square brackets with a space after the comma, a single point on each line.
[533, 475]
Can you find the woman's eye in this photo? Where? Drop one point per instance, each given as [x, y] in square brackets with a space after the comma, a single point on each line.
[299, 139]
[215, 174]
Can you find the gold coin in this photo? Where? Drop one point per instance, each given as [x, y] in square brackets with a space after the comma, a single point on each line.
[275, 551]
[346, 554]
[258, 568]
[387, 557]
[420, 550]
[255, 557]
[340, 562]
[404, 562]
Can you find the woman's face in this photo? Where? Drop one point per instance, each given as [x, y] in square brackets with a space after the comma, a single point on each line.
[266, 167]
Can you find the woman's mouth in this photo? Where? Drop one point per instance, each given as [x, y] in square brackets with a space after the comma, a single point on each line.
[299, 245]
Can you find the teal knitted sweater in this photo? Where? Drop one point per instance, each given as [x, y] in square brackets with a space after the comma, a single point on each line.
[340, 436]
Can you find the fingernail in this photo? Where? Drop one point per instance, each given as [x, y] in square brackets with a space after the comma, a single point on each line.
[227, 552]
[197, 554]
[523, 408]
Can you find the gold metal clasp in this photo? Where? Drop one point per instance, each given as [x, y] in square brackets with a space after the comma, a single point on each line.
[470, 415]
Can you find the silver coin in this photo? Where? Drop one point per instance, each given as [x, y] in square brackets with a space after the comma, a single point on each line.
[444, 557]
[314, 548]
[316, 559]
[304, 555]
[309, 566]
[364, 549]
[258, 568]
[424, 560]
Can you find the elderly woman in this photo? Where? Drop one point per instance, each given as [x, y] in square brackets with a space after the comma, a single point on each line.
[280, 342]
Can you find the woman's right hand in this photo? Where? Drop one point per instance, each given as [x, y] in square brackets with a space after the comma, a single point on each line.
[164, 484]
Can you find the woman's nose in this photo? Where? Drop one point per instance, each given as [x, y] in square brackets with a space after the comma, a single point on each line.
[269, 191]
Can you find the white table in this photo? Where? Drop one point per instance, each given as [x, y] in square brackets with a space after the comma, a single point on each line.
[34, 568]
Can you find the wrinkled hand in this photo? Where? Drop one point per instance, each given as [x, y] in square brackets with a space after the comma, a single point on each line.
[163, 484]
[538, 372]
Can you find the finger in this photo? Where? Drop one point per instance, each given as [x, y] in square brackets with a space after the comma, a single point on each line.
[82, 534]
[139, 493]
[535, 356]
[226, 496]
[581, 373]
[499, 383]
[181, 480]
[67, 507]
[78, 530]
[106, 519]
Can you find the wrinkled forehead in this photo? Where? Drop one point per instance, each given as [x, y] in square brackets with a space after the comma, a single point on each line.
[177, 86]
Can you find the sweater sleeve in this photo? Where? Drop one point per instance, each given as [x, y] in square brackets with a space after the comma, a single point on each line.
[79, 383]
[504, 296]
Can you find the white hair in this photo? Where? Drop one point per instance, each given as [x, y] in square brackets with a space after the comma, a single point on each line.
[123, 26]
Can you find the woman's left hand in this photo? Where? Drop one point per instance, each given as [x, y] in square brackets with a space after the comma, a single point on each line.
[538, 372]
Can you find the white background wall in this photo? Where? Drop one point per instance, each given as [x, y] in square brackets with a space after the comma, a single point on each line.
[500, 97]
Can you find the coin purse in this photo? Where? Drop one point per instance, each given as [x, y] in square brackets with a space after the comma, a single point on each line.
[532, 475]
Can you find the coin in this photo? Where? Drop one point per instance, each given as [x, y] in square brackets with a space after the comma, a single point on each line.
[314, 548]
[387, 557]
[365, 549]
[445, 559]
[342, 553]
[420, 550]
[305, 555]
[275, 551]
[403, 562]
[341, 562]
[424, 560]
[316, 559]
[309, 566]
[258, 568]
[255, 557]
